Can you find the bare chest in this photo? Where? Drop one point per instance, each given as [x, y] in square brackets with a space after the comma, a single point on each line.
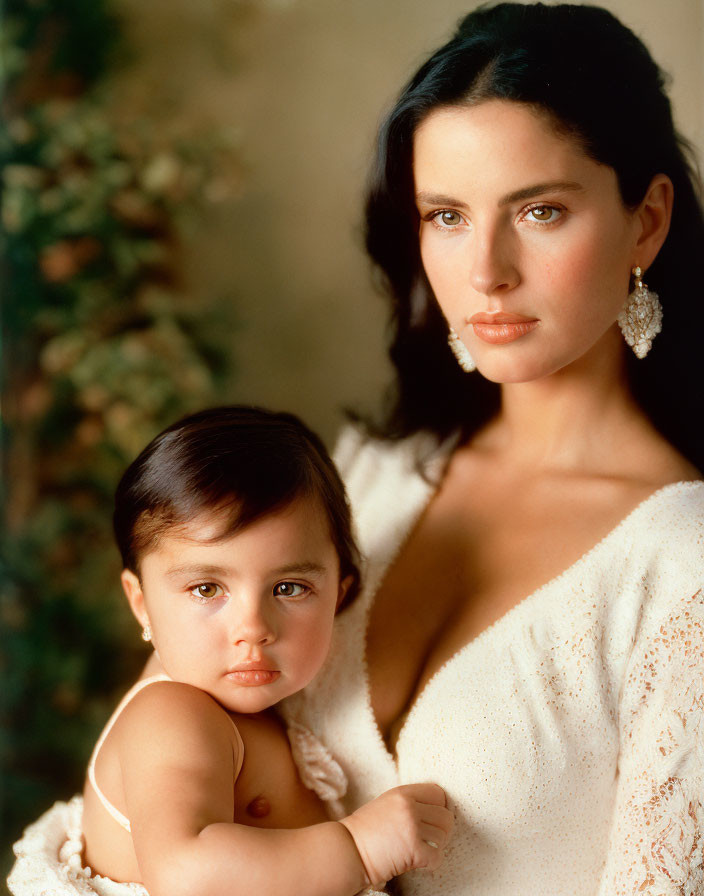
[268, 791]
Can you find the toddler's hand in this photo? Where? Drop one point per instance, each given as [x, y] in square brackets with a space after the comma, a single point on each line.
[406, 827]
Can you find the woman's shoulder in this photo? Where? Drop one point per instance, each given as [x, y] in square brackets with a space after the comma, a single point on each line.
[367, 459]
[664, 533]
[674, 512]
[388, 483]
[356, 445]
[659, 555]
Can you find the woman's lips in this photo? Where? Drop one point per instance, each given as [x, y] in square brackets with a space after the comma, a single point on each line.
[500, 328]
[252, 678]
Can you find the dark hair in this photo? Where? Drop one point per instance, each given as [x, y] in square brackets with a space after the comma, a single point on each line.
[244, 460]
[597, 83]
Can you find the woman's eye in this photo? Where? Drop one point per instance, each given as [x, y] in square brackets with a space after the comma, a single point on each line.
[206, 591]
[290, 589]
[545, 214]
[447, 218]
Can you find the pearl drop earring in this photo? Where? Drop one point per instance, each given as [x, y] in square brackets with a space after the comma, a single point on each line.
[641, 318]
[460, 351]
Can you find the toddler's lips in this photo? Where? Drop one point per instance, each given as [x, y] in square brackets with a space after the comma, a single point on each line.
[252, 678]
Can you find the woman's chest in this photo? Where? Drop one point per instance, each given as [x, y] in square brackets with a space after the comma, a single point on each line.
[529, 708]
[458, 575]
[529, 762]
[516, 710]
[268, 791]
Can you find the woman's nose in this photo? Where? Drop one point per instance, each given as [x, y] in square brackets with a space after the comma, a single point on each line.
[250, 624]
[491, 266]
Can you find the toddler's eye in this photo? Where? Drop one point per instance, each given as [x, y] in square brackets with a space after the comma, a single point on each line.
[289, 589]
[206, 591]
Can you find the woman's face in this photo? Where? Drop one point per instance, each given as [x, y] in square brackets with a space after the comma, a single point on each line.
[525, 240]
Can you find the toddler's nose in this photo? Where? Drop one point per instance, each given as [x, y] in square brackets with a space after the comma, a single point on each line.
[251, 627]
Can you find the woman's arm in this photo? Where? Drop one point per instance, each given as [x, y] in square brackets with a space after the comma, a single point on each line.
[176, 752]
[657, 838]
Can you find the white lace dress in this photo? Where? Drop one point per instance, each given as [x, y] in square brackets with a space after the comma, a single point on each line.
[569, 736]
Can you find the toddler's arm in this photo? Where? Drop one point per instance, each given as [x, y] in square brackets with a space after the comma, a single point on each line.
[404, 828]
[176, 753]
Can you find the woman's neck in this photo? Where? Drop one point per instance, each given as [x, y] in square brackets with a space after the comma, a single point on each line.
[581, 419]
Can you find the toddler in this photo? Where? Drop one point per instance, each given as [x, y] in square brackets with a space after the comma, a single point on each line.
[235, 536]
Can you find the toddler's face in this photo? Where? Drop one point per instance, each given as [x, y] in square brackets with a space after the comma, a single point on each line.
[248, 618]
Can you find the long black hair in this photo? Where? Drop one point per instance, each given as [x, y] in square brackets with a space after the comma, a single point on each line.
[598, 84]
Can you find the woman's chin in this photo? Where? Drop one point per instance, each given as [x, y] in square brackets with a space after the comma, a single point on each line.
[510, 368]
[507, 372]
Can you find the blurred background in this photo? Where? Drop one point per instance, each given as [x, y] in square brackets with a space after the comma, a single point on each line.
[182, 191]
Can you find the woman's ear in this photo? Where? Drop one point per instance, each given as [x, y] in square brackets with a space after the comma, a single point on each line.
[135, 596]
[342, 591]
[653, 215]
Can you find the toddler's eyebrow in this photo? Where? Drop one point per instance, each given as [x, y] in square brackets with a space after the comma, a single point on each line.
[196, 569]
[299, 569]
[305, 568]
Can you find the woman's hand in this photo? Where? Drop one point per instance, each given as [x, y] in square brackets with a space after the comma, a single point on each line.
[404, 828]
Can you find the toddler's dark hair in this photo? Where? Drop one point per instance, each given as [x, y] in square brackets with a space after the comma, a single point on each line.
[244, 461]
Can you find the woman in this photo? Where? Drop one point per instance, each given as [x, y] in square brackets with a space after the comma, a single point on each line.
[531, 636]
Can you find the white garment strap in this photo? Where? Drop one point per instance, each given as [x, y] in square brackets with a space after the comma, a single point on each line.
[133, 691]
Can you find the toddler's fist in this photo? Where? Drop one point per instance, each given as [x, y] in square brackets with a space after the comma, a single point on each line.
[405, 828]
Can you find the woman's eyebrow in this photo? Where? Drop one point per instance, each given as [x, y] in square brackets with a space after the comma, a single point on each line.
[556, 186]
[439, 199]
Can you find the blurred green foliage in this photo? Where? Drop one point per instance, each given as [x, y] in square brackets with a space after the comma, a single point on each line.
[101, 348]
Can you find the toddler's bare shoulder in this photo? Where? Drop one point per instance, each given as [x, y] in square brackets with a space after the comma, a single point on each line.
[175, 719]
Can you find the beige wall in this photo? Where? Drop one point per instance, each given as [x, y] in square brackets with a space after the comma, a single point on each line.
[304, 82]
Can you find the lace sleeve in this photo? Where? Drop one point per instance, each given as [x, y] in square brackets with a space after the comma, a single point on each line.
[657, 839]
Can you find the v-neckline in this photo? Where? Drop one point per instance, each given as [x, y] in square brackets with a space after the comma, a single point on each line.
[410, 522]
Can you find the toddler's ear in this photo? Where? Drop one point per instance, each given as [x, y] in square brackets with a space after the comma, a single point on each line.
[135, 597]
[342, 591]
